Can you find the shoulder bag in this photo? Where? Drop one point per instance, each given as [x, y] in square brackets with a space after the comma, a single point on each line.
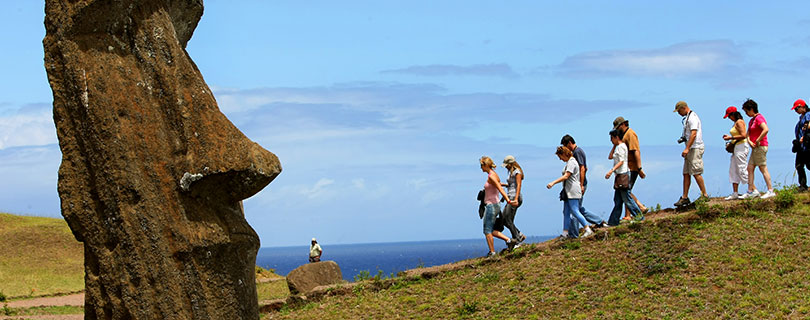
[730, 146]
[621, 181]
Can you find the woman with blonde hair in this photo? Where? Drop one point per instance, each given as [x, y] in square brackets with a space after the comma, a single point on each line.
[492, 209]
[573, 192]
[513, 185]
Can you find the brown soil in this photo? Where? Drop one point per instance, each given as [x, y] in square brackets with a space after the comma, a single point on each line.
[68, 300]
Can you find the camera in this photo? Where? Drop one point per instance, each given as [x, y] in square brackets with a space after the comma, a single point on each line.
[681, 139]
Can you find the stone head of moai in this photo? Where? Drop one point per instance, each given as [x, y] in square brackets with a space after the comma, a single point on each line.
[152, 174]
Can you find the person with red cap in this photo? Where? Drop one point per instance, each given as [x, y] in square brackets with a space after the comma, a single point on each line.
[737, 171]
[801, 145]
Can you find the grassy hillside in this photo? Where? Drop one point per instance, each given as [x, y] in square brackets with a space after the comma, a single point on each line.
[39, 256]
[749, 259]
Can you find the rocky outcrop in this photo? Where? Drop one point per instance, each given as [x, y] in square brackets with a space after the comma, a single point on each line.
[152, 173]
[311, 275]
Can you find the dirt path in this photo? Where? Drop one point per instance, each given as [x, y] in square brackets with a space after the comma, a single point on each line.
[68, 300]
[48, 317]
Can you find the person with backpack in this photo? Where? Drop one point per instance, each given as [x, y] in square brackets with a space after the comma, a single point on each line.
[802, 144]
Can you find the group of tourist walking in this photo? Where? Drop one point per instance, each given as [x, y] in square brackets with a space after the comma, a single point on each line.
[626, 169]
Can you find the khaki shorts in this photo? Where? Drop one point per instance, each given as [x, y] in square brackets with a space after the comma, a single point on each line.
[758, 156]
[693, 163]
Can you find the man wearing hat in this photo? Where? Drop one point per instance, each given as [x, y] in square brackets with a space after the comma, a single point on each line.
[315, 251]
[802, 154]
[693, 152]
[630, 138]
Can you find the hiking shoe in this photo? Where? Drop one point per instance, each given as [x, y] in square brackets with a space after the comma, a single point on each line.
[733, 196]
[769, 194]
[588, 233]
[603, 224]
[703, 198]
[521, 238]
[682, 201]
[492, 254]
[802, 189]
[750, 195]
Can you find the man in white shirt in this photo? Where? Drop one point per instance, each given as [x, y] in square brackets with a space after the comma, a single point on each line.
[315, 251]
[693, 152]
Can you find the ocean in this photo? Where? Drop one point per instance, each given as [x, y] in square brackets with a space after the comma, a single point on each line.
[390, 257]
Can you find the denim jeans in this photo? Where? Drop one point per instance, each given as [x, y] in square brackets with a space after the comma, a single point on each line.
[591, 217]
[571, 209]
[621, 198]
[508, 215]
[490, 214]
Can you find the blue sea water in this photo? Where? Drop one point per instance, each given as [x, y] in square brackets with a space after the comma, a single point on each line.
[389, 257]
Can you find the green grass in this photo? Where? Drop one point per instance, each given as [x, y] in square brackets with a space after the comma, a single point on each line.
[747, 261]
[272, 290]
[39, 256]
[36, 311]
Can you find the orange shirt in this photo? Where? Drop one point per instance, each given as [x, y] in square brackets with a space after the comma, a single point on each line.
[631, 139]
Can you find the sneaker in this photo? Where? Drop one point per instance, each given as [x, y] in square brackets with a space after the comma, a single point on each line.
[682, 201]
[627, 218]
[518, 245]
[769, 194]
[521, 238]
[588, 233]
[703, 198]
[733, 196]
[603, 224]
[492, 254]
[510, 244]
[802, 189]
[750, 195]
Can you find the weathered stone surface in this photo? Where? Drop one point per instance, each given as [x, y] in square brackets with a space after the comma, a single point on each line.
[311, 275]
[152, 173]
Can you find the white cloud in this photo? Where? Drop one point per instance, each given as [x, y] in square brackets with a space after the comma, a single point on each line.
[319, 190]
[683, 59]
[488, 70]
[31, 125]
[359, 183]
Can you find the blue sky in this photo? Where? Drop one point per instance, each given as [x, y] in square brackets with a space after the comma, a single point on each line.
[379, 111]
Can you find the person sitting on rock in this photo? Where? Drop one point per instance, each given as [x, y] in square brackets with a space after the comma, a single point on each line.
[315, 251]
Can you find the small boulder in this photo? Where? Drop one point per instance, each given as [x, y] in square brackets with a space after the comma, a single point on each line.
[308, 276]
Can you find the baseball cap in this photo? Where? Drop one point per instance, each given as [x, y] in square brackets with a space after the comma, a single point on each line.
[798, 103]
[313, 240]
[729, 110]
[508, 160]
[619, 120]
[679, 105]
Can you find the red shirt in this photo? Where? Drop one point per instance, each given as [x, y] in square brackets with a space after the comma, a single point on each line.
[754, 130]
